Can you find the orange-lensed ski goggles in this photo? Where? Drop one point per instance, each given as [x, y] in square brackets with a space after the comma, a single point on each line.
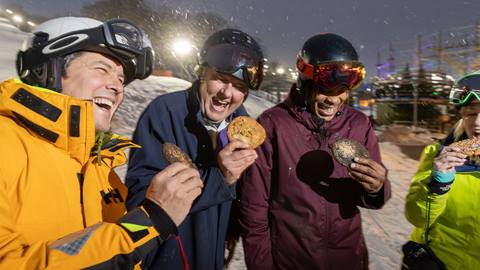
[330, 75]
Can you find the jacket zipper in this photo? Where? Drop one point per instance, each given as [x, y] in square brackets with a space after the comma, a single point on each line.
[324, 144]
[80, 182]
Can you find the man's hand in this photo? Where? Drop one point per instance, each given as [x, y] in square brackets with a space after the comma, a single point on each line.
[370, 174]
[174, 189]
[233, 159]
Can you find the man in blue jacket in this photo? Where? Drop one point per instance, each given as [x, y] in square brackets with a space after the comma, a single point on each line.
[195, 119]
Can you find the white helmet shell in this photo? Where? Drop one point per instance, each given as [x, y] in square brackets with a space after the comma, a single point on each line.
[59, 26]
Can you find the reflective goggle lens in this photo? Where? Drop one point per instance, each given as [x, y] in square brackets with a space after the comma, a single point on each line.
[332, 75]
[128, 40]
[121, 33]
[465, 90]
[461, 96]
[228, 58]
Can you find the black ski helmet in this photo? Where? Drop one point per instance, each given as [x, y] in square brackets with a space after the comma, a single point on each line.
[41, 63]
[328, 59]
[236, 53]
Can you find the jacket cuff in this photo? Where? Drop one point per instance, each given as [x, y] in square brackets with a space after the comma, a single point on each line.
[376, 199]
[160, 219]
[439, 188]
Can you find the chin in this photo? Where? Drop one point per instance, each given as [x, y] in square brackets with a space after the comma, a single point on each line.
[216, 116]
[102, 127]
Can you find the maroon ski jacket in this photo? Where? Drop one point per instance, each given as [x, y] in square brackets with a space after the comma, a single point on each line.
[298, 206]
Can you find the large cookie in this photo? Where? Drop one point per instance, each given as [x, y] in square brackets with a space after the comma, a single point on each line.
[469, 147]
[173, 153]
[345, 150]
[247, 130]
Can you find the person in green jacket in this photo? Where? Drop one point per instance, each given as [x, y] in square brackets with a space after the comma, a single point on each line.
[448, 184]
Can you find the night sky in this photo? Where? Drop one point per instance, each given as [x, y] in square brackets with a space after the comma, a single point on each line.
[282, 26]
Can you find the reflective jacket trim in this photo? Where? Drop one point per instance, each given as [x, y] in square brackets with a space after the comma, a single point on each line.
[74, 127]
[36, 104]
[41, 131]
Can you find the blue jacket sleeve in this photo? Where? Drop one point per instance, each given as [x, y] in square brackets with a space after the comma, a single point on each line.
[156, 126]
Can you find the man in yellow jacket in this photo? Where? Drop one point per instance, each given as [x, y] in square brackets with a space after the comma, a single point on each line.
[61, 203]
[445, 192]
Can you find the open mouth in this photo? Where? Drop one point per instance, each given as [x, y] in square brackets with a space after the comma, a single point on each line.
[219, 105]
[325, 110]
[103, 103]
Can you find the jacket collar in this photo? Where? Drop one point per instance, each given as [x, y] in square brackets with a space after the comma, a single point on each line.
[64, 121]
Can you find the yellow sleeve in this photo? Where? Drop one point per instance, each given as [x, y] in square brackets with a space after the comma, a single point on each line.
[419, 195]
[120, 245]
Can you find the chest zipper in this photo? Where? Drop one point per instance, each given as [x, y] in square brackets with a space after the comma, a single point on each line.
[80, 182]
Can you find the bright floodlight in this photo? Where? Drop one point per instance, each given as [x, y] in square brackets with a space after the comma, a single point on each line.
[182, 47]
[280, 70]
[9, 11]
[17, 19]
[31, 23]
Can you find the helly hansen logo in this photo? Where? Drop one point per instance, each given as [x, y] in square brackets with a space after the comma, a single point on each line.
[112, 195]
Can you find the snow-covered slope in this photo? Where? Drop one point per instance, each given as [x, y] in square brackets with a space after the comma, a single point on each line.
[11, 41]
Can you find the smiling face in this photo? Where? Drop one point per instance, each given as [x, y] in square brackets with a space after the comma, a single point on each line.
[326, 103]
[471, 119]
[220, 95]
[95, 77]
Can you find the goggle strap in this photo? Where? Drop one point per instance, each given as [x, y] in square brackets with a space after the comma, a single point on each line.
[305, 68]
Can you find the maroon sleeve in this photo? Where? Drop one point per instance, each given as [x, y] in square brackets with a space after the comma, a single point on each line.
[375, 200]
[254, 190]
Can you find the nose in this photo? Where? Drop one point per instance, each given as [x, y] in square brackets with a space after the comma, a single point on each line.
[332, 100]
[227, 90]
[115, 83]
[477, 121]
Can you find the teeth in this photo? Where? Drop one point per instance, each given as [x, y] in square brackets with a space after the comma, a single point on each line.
[221, 102]
[103, 101]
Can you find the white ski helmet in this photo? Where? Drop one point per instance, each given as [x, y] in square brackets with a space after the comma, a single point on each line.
[42, 62]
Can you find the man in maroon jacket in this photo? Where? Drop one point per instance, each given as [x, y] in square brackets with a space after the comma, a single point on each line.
[298, 205]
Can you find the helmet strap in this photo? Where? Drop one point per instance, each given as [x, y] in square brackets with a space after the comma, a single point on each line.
[54, 79]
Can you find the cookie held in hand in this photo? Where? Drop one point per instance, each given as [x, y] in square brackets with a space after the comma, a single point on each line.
[173, 153]
[247, 130]
[469, 147]
[345, 150]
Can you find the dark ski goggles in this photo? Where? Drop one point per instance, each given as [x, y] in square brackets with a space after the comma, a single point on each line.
[118, 38]
[467, 88]
[330, 75]
[241, 62]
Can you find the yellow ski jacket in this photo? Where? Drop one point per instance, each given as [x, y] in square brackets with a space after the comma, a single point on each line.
[62, 207]
[454, 216]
